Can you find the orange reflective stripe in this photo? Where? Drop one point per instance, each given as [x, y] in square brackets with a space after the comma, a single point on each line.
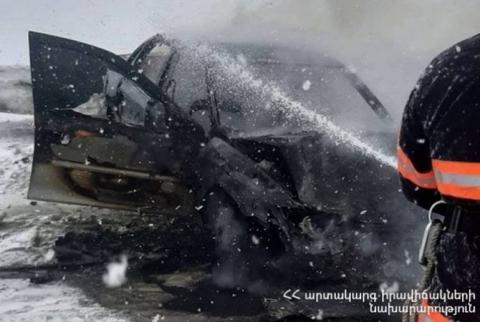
[455, 190]
[431, 316]
[458, 178]
[458, 167]
[407, 170]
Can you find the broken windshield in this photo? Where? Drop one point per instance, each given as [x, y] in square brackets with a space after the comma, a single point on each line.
[323, 89]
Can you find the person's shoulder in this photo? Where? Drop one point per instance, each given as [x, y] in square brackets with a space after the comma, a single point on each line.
[465, 53]
[467, 45]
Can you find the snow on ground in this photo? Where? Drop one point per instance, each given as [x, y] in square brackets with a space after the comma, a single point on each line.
[27, 234]
[22, 225]
[15, 89]
[28, 231]
[22, 301]
[16, 148]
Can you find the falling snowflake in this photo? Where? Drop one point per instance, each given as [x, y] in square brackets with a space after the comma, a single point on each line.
[306, 85]
[116, 273]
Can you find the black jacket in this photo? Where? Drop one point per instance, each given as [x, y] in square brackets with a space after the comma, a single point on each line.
[439, 141]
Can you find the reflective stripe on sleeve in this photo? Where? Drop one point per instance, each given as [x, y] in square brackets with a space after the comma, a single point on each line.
[407, 170]
[458, 178]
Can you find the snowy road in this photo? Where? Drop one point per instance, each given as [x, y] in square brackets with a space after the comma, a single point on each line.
[27, 234]
[29, 230]
[53, 258]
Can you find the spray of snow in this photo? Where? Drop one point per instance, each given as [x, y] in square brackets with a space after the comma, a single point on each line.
[116, 273]
[385, 288]
[319, 316]
[157, 318]
[318, 122]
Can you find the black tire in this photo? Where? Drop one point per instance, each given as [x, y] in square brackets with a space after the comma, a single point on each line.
[243, 249]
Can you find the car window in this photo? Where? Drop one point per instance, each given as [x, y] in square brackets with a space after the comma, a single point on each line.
[190, 79]
[133, 103]
[104, 86]
[155, 62]
[191, 88]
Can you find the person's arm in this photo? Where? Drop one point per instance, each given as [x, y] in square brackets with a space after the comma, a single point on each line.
[455, 144]
[414, 164]
[439, 146]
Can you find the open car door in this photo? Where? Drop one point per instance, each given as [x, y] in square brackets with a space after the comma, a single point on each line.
[100, 132]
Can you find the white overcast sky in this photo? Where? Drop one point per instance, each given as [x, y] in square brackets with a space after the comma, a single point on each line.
[350, 26]
[115, 25]
[387, 42]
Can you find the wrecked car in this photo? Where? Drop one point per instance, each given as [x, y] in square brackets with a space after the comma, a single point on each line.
[158, 131]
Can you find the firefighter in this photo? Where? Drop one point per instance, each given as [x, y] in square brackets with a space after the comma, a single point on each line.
[439, 167]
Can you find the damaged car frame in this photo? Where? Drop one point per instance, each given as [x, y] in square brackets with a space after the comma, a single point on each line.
[152, 133]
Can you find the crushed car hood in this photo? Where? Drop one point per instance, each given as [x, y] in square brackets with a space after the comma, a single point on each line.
[321, 169]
